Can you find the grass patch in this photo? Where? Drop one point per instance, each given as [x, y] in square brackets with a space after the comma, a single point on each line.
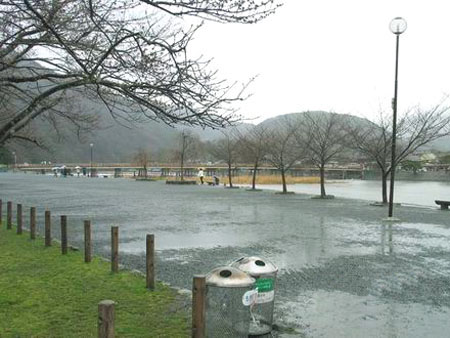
[319, 197]
[180, 182]
[247, 179]
[275, 179]
[46, 294]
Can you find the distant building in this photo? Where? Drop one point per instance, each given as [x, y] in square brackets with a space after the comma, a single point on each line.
[428, 157]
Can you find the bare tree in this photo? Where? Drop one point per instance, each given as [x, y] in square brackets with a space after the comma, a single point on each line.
[253, 148]
[186, 148]
[105, 50]
[282, 149]
[242, 11]
[322, 136]
[226, 149]
[414, 130]
[142, 158]
[373, 141]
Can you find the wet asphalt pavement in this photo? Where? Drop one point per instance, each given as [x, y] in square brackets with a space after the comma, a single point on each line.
[343, 271]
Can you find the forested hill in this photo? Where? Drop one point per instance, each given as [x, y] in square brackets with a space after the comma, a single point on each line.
[439, 145]
[64, 133]
[116, 143]
[345, 118]
[112, 142]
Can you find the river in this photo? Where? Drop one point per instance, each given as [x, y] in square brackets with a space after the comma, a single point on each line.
[405, 192]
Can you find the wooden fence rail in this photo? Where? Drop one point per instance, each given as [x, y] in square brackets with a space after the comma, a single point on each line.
[48, 228]
[9, 215]
[199, 306]
[19, 219]
[106, 310]
[115, 249]
[64, 234]
[150, 262]
[87, 241]
[33, 223]
[106, 316]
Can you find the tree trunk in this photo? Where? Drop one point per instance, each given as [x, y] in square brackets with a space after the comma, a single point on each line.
[384, 176]
[322, 181]
[229, 175]
[283, 180]
[254, 175]
[182, 167]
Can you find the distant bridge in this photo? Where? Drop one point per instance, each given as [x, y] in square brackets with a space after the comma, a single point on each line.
[126, 169]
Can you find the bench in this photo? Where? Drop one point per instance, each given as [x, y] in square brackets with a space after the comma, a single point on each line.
[444, 204]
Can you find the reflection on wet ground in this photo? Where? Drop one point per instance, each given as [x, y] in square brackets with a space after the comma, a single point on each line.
[344, 272]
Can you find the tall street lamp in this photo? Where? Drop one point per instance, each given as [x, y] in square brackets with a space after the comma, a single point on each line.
[92, 147]
[397, 26]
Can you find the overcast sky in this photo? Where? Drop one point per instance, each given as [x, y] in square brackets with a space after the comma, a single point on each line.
[335, 55]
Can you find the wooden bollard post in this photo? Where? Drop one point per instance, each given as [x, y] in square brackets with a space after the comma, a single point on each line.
[63, 234]
[48, 228]
[19, 219]
[32, 223]
[199, 306]
[106, 319]
[87, 242]
[9, 215]
[1, 212]
[150, 262]
[115, 249]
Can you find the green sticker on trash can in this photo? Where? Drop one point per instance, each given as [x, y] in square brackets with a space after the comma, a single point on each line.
[264, 284]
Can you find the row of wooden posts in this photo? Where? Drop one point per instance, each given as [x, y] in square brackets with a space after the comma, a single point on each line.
[106, 307]
[150, 240]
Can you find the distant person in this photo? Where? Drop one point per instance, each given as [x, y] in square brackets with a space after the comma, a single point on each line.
[216, 180]
[201, 175]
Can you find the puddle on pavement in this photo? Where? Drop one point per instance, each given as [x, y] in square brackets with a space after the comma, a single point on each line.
[338, 314]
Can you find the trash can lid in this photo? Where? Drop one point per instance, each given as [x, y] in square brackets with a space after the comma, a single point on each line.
[229, 277]
[255, 266]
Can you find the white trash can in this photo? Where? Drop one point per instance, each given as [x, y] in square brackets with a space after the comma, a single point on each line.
[265, 274]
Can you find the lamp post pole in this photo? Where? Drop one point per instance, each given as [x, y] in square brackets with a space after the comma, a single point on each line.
[15, 160]
[92, 152]
[397, 26]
